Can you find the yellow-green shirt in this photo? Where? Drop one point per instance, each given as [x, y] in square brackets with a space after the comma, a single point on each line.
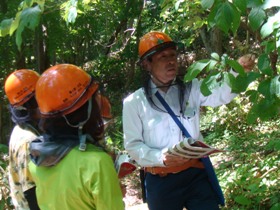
[81, 180]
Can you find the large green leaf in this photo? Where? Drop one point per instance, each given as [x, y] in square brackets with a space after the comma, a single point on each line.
[240, 82]
[268, 108]
[236, 66]
[269, 46]
[256, 18]
[5, 26]
[15, 23]
[264, 64]
[207, 4]
[18, 36]
[210, 83]
[272, 23]
[241, 5]
[253, 95]
[30, 17]
[254, 3]
[227, 17]
[195, 69]
[264, 88]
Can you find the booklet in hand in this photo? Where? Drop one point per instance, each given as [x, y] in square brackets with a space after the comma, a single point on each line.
[190, 148]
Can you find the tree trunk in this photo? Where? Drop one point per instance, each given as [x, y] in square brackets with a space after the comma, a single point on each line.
[43, 61]
[212, 40]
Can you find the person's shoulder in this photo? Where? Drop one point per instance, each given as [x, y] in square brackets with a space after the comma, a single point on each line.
[93, 154]
[138, 94]
[23, 133]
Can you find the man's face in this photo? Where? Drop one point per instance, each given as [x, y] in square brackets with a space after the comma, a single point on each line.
[164, 66]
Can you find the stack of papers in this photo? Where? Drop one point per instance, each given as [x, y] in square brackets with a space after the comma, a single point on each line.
[189, 148]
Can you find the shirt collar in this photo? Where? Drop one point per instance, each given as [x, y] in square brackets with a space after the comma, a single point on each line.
[154, 88]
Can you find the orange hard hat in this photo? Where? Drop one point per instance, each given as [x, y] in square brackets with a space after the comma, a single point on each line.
[153, 42]
[62, 89]
[105, 106]
[20, 86]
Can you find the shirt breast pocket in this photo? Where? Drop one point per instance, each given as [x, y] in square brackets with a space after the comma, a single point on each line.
[190, 113]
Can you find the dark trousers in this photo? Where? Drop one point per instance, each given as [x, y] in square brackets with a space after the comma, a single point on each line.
[189, 188]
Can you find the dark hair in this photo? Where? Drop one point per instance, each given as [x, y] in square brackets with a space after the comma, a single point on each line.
[94, 126]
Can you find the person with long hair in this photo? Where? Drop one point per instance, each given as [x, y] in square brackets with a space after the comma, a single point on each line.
[70, 168]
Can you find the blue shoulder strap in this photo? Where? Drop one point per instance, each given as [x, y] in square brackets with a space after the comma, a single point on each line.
[206, 160]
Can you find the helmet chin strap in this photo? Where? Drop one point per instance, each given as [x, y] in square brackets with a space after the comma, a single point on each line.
[80, 125]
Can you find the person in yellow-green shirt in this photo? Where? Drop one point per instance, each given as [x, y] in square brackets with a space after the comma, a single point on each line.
[20, 91]
[70, 169]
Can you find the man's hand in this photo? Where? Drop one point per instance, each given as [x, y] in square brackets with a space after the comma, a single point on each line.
[173, 160]
[247, 61]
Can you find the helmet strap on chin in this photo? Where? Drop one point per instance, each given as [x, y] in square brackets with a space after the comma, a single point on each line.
[80, 125]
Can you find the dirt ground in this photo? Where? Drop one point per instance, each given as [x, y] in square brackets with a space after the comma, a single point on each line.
[133, 199]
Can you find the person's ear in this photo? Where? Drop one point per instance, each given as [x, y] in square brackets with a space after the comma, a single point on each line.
[146, 64]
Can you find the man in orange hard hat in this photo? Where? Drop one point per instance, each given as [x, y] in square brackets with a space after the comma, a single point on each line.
[157, 116]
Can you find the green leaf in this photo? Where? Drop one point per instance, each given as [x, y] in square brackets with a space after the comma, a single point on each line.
[254, 3]
[227, 17]
[207, 4]
[253, 114]
[210, 83]
[215, 56]
[224, 17]
[211, 65]
[211, 17]
[18, 36]
[269, 46]
[264, 64]
[264, 88]
[241, 5]
[253, 187]
[272, 23]
[275, 86]
[5, 26]
[268, 108]
[236, 66]
[242, 200]
[15, 23]
[256, 18]
[195, 69]
[275, 207]
[253, 95]
[30, 17]
[241, 82]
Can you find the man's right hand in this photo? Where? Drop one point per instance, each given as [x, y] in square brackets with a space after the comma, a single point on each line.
[173, 160]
